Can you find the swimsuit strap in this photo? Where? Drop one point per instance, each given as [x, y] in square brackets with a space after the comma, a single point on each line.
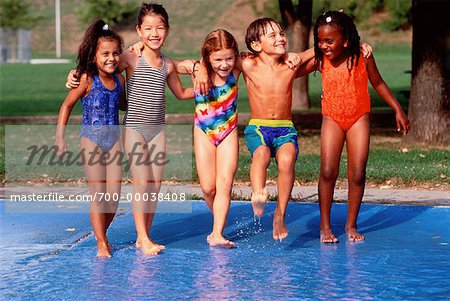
[97, 81]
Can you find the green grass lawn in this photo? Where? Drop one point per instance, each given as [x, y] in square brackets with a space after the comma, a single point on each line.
[391, 162]
[39, 89]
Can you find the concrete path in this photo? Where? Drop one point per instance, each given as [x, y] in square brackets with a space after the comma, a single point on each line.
[242, 192]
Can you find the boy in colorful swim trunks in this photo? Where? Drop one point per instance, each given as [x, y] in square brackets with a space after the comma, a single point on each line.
[270, 132]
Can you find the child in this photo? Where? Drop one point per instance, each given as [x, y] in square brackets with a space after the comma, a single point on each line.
[101, 91]
[144, 121]
[270, 132]
[215, 131]
[345, 110]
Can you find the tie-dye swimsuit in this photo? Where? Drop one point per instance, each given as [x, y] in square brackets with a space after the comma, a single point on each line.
[216, 112]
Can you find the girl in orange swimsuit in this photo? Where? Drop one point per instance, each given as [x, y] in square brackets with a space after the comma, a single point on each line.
[345, 109]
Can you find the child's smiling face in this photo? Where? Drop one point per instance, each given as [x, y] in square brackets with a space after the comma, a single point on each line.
[274, 41]
[222, 61]
[107, 56]
[331, 42]
[153, 31]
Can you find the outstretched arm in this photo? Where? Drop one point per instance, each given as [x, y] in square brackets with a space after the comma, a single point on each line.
[383, 90]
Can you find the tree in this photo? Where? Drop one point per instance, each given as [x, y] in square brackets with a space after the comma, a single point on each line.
[15, 14]
[429, 105]
[112, 12]
[298, 24]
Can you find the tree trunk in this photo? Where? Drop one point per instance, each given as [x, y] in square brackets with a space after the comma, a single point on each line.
[298, 25]
[429, 104]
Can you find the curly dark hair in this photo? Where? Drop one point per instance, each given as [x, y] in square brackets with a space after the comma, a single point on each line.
[347, 28]
[88, 47]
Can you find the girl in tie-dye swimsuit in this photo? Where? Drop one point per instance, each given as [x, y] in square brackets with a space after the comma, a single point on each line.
[215, 113]
[215, 131]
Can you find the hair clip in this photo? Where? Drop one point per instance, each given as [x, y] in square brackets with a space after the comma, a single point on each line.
[105, 27]
[328, 19]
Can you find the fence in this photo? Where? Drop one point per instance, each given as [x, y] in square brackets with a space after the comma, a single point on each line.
[15, 45]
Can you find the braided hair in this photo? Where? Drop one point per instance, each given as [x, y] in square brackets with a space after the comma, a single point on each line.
[346, 27]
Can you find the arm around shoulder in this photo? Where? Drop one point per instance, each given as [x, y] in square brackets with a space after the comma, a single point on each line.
[123, 105]
[306, 68]
[174, 83]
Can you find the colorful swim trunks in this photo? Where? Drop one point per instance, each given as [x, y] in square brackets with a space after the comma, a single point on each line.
[270, 133]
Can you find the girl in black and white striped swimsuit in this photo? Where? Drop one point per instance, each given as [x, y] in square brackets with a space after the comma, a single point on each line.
[146, 99]
[144, 122]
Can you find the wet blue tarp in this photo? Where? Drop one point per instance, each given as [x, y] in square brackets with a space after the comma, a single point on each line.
[406, 256]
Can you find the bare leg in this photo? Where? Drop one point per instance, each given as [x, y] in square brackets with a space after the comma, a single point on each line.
[286, 157]
[157, 172]
[332, 142]
[96, 175]
[143, 211]
[113, 184]
[258, 175]
[358, 140]
[226, 164]
[205, 160]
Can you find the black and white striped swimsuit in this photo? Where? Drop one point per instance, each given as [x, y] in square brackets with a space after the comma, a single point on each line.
[146, 99]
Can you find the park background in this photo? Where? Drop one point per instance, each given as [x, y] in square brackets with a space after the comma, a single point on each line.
[38, 89]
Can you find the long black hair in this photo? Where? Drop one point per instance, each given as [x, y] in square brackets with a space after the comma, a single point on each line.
[347, 28]
[86, 53]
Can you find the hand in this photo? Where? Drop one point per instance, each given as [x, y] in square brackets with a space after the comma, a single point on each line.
[293, 60]
[245, 54]
[366, 50]
[72, 80]
[137, 47]
[200, 80]
[61, 147]
[402, 122]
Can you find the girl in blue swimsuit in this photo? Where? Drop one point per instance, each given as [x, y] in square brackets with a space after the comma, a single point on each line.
[102, 93]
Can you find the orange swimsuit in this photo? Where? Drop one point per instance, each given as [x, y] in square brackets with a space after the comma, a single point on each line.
[345, 96]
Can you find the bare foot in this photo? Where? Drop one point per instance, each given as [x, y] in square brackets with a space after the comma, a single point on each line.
[103, 250]
[149, 247]
[327, 236]
[280, 231]
[354, 235]
[110, 247]
[219, 241]
[259, 199]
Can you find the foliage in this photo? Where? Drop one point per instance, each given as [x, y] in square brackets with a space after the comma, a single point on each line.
[361, 10]
[272, 9]
[400, 14]
[358, 9]
[16, 14]
[112, 12]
